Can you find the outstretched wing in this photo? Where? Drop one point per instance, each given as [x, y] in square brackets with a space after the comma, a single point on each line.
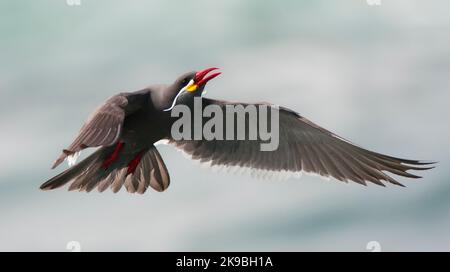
[303, 147]
[104, 126]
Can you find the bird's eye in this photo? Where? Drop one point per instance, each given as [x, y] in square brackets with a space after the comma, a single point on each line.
[185, 81]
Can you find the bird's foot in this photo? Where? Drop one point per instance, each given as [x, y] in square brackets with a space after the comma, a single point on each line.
[113, 156]
[132, 165]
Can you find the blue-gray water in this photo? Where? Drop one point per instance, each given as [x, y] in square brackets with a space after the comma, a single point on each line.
[377, 75]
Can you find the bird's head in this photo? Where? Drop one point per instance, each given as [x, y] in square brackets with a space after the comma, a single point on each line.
[191, 84]
[194, 82]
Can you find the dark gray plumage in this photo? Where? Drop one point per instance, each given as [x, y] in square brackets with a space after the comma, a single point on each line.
[127, 125]
[304, 146]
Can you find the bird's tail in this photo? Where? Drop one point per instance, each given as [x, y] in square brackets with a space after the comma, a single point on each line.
[148, 170]
[75, 171]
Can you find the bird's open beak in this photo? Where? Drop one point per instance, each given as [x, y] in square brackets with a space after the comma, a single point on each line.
[201, 79]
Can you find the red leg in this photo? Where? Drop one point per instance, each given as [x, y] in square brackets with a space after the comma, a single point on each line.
[113, 155]
[132, 165]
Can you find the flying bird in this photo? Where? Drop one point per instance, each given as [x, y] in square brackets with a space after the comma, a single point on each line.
[127, 126]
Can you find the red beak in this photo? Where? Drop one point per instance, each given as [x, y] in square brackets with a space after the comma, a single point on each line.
[200, 78]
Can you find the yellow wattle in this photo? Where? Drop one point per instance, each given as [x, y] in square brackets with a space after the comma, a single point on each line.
[192, 88]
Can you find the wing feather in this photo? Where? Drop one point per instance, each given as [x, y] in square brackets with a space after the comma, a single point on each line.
[102, 128]
[303, 146]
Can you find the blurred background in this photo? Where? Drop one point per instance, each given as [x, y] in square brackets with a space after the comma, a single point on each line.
[375, 74]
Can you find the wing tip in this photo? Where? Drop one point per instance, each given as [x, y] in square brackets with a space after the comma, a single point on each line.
[61, 158]
[418, 162]
[395, 182]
